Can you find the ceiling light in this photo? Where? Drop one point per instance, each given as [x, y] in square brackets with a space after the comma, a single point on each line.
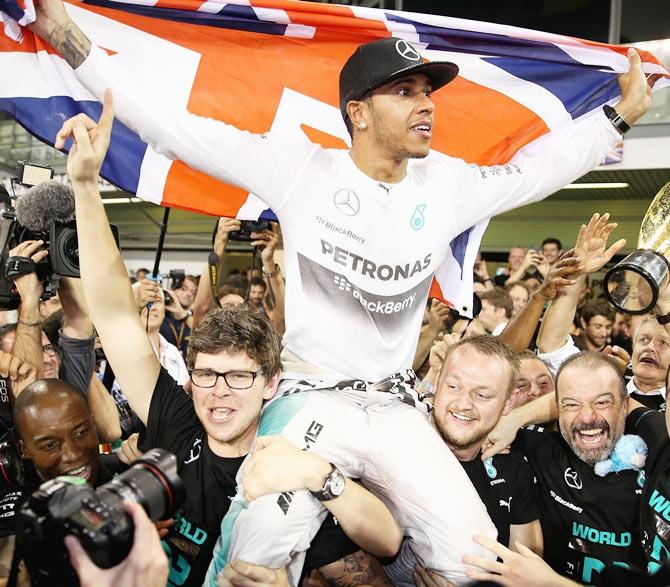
[596, 186]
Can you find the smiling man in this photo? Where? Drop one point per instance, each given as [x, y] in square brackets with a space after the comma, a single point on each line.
[473, 391]
[57, 437]
[587, 521]
[365, 230]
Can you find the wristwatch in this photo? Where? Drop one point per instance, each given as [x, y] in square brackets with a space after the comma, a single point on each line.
[616, 119]
[333, 486]
[272, 273]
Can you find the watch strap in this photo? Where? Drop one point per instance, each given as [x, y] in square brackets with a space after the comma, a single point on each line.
[326, 493]
[616, 119]
[272, 273]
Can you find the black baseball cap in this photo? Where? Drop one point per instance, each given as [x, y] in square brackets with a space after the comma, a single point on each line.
[376, 63]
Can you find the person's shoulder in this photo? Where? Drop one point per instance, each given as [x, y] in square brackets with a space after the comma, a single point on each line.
[537, 441]
[646, 420]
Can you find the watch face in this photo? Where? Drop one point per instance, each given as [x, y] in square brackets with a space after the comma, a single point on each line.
[336, 482]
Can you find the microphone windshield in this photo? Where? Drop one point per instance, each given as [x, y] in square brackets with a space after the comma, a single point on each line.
[44, 204]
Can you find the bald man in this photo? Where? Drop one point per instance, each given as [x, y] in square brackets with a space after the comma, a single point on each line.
[57, 436]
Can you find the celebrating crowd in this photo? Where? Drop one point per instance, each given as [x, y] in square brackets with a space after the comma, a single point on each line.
[331, 423]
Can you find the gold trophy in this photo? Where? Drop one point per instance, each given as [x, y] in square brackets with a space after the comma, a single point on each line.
[633, 285]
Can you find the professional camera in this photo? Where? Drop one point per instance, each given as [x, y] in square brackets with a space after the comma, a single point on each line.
[246, 228]
[44, 212]
[67, 505]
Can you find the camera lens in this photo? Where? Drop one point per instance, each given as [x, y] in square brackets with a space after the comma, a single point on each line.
[71, 250]
[151, 481]
[11, 469]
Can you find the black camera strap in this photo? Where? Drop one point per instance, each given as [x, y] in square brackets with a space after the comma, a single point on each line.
[17, 266]
[213, 265]
[254, 256]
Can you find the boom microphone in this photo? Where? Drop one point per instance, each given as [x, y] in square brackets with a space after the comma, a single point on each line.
[44, 204]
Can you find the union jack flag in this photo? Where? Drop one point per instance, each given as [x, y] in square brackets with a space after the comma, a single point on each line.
[273, 65]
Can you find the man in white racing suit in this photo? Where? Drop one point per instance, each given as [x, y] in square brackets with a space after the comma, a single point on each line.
[364, 231]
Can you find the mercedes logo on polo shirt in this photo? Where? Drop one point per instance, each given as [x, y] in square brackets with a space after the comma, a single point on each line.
[571, 479]
[406, 50]
[347, 202]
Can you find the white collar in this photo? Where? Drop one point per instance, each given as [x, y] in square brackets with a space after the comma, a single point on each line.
[632, 388]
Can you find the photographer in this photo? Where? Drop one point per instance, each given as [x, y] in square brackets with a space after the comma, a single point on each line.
[178, 321]
[57, 436]
[267, 240]
[203, 298]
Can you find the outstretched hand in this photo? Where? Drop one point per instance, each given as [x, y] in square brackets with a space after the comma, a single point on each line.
[591, 246]
[516, 569]
[560, 275]
[91, 140]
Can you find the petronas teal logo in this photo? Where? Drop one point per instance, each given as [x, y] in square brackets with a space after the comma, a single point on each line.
[491, 471]
[640, 478]
[417, 221]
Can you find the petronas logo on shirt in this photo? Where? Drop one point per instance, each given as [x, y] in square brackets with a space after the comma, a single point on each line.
[491, 471]
[417, 221]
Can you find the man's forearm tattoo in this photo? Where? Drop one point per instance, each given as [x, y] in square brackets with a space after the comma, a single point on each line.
[359, 568]
[71, 43]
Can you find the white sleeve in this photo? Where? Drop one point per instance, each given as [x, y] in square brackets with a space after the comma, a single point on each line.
[554, 359]
[266, 165]
[484, 192]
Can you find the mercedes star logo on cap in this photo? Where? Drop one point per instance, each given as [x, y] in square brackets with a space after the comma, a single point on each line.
[406, 50]
[346, 201]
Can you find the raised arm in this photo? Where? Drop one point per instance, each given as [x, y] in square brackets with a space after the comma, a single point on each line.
[437, 314]
[203, 297]
[591, 248]
[106, 286]
[266, 165]
[28, 341]
[276, 465]
[269, 239]
[519, 331]
[567, 154]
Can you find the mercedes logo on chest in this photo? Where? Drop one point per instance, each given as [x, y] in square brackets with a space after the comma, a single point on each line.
[347, 202]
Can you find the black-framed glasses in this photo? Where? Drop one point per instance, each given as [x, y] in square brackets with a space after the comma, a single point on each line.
[49, 349]
[233, 379]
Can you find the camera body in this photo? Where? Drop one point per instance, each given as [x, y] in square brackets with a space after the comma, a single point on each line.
[67, 505]
[246, 228]
[62, 260]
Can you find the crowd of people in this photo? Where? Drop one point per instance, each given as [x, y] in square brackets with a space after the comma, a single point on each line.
[334, 425]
